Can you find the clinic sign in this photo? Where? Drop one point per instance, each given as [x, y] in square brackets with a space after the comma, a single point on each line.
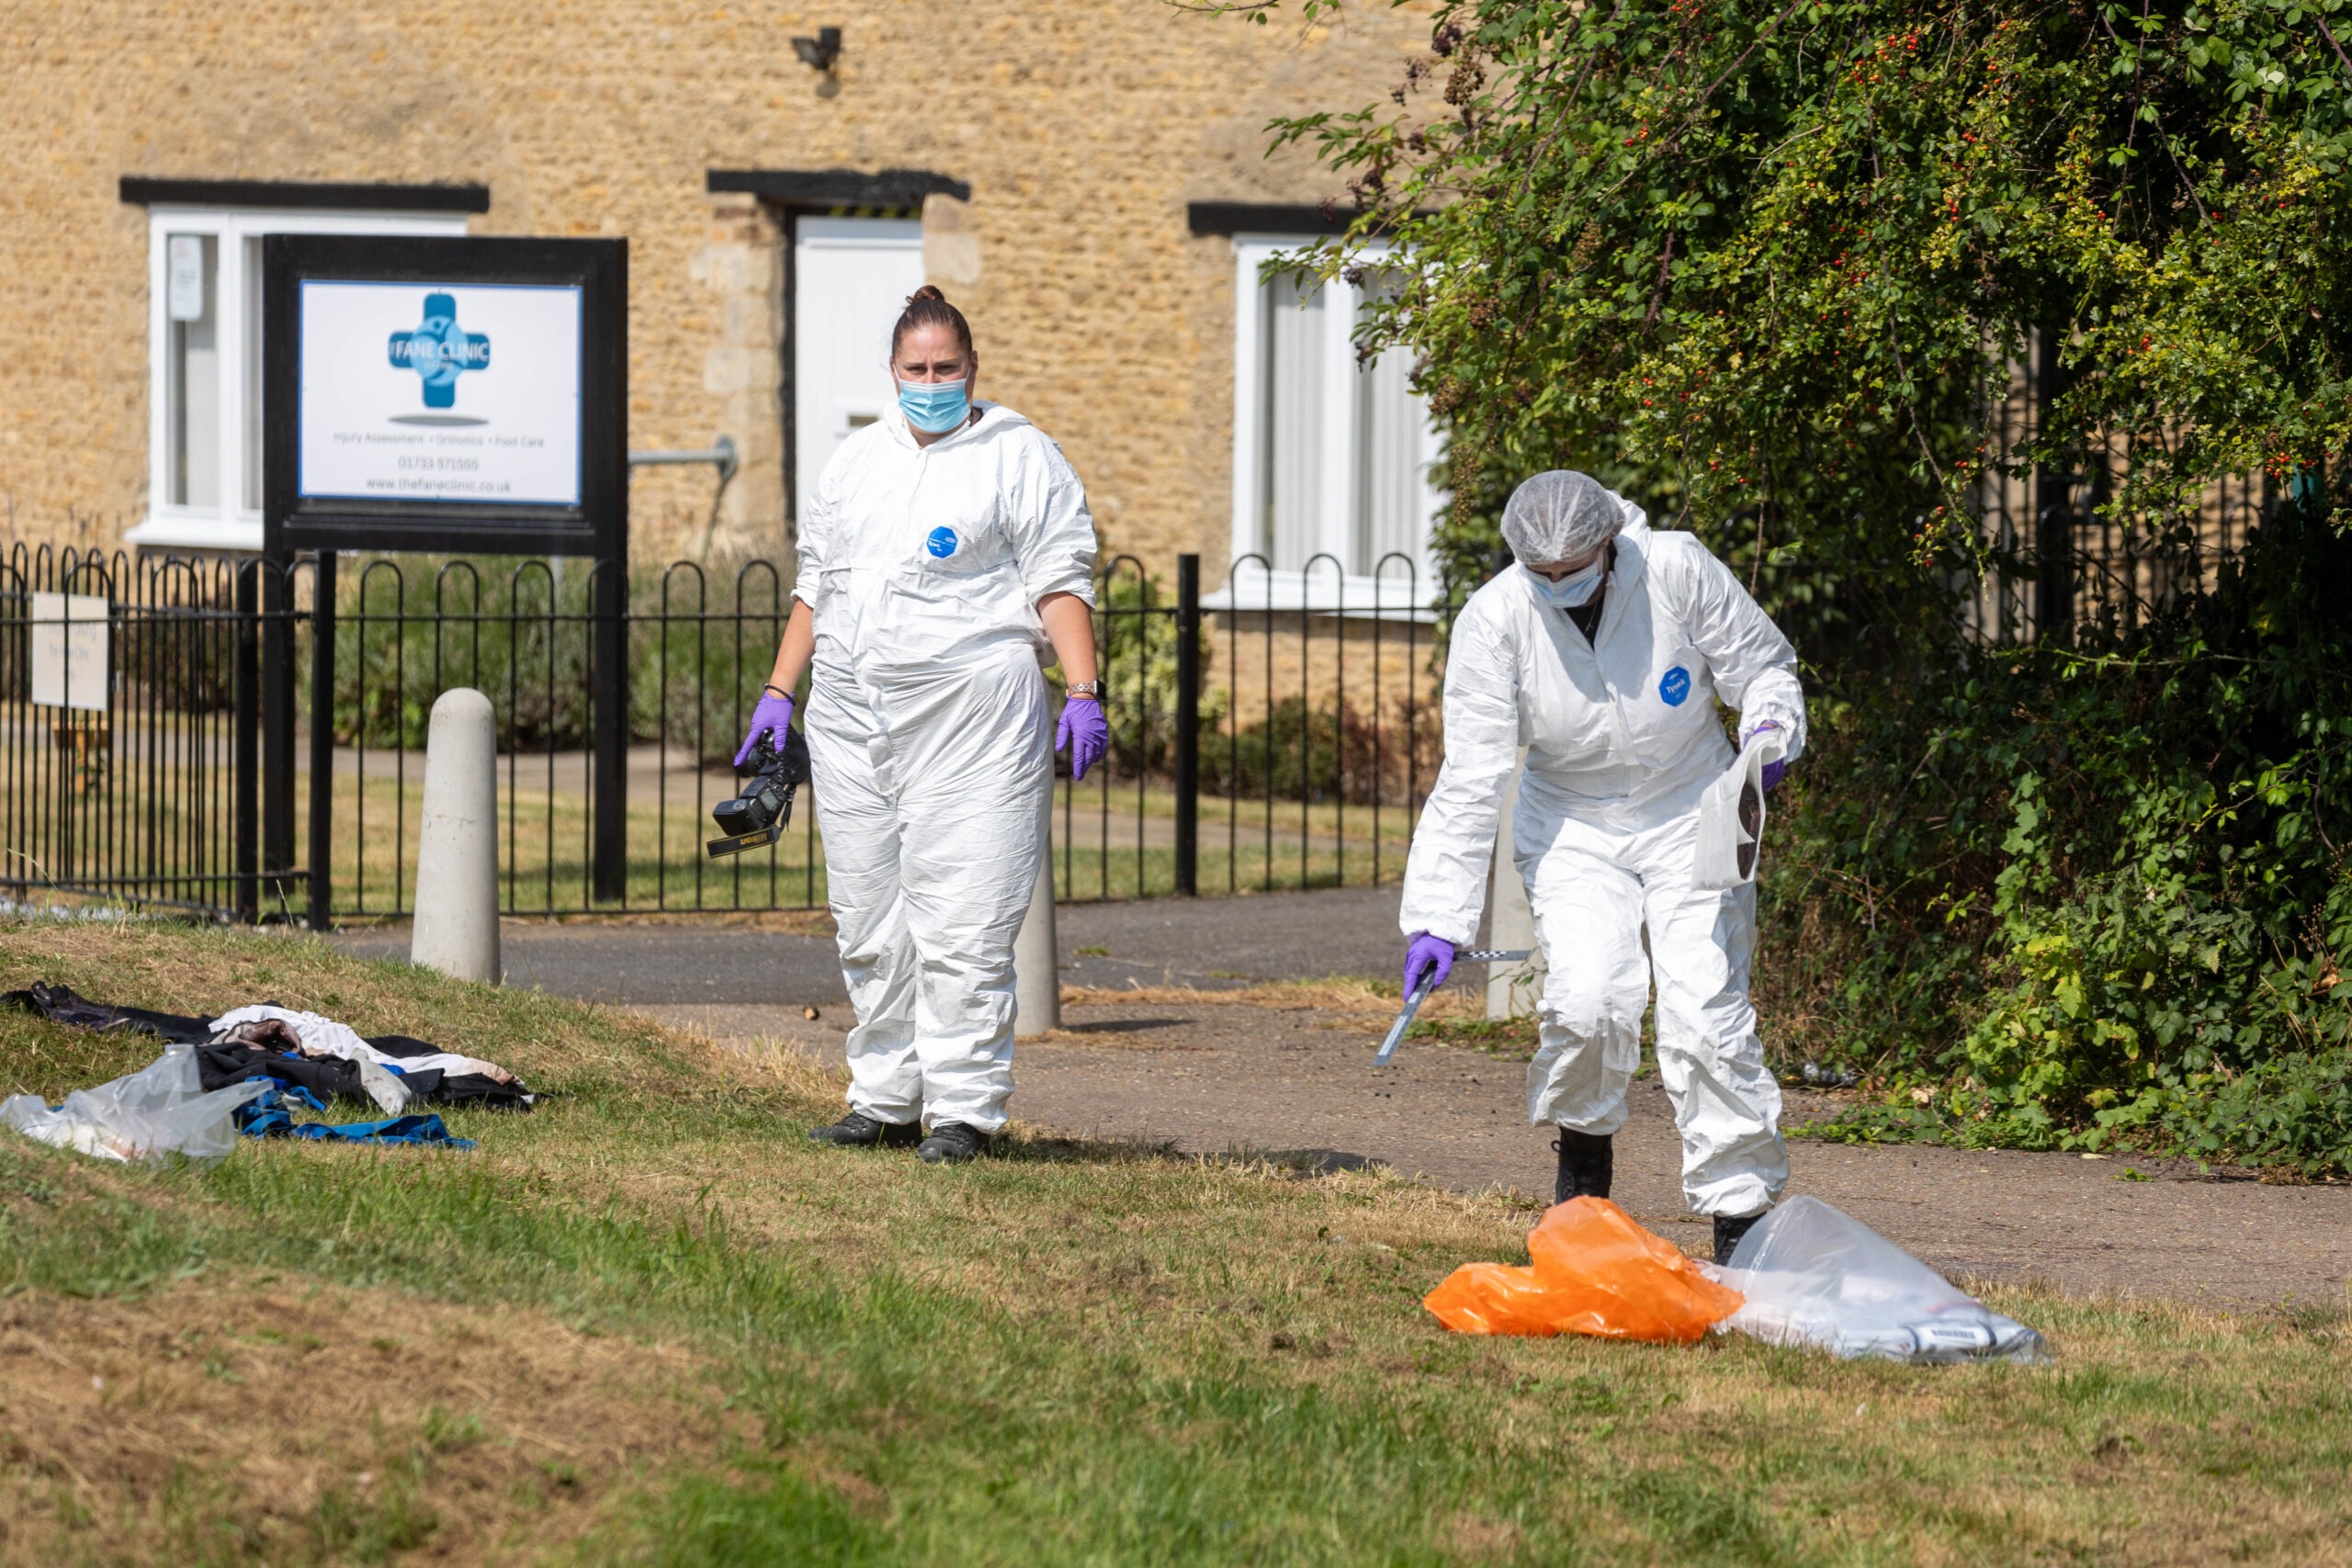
[424, 412]
[444, 394]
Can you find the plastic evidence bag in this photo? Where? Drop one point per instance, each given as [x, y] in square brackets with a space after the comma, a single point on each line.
[1594, 1271]
[161, 1109]
[1731, 816]
[1815, 1275]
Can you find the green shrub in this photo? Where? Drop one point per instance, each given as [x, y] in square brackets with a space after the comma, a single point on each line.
[2070, 898]
[1299, 751]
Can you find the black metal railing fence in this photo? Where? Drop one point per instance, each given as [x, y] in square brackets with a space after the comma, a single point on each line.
[2058, 558]
[169, 725]
[523, 632]
[130, 700]
[1279, 734]
[217, 765]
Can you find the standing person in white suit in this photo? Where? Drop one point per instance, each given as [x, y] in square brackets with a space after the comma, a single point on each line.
[1604, 653]
[947, 547]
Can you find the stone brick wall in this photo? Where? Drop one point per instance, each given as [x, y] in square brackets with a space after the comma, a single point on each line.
[742, 269]
[1083, 127]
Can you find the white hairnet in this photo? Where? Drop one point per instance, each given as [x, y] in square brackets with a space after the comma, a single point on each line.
[1560, 515]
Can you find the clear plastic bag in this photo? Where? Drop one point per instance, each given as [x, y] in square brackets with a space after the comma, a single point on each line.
[1595, 1272]
[161, 1109]
[1815, 1275]
[1731, 816]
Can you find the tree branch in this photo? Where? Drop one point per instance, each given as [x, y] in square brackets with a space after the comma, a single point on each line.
[1576, 90]
[1657, 295]
[1700, 104]
[2329, 33]
[2186, 183]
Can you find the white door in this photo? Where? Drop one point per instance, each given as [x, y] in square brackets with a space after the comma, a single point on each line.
[851, 278]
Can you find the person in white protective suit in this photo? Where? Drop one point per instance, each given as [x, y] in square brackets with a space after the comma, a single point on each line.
[1604, 653]
[947, 546]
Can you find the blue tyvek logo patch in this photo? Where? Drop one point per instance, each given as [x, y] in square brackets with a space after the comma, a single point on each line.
[440, 350]
[1674, 686]
[940, 542]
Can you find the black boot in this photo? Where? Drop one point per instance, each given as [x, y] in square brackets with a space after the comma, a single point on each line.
[1728, 1231]
[1586, 1159]
[859, 1130]
[952, 1143]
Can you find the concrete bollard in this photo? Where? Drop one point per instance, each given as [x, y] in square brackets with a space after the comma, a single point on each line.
[1036, 958]
[1512, 989]
[456, 929]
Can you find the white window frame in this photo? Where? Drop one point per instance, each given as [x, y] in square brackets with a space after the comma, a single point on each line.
[230, 525]
[1353, 594]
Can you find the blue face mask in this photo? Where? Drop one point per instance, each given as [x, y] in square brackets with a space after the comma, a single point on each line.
[1574, 591]
[934, 407]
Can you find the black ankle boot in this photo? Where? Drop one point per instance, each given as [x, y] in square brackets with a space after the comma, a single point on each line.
[1586, 1159]
[859, 1130]
[1727, 1234]
[952, 1143]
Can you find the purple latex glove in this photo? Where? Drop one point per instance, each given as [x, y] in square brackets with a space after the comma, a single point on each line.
[1424, 953]
[1084, 733]
[1773, 771]
[774, 714]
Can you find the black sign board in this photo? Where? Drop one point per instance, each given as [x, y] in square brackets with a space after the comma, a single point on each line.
[444, 394]
[460, 395]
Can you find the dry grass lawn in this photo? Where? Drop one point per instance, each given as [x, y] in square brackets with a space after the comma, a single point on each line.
[652, 1322]
[265, 1418]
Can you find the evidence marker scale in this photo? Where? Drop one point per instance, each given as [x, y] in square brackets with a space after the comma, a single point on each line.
[1428, 983]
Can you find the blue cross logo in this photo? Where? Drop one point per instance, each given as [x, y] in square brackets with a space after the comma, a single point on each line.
[439, 349]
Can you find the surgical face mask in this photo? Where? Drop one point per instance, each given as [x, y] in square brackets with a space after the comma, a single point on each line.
[1574, 591]
[934, 407]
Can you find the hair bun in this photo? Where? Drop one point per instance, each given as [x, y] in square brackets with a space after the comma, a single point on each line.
[927, 307]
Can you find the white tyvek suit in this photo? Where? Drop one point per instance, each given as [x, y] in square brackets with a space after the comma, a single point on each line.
[1623, 736]
[929, 740]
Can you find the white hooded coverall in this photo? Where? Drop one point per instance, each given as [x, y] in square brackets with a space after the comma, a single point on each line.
[929, 740]
[1623, 736]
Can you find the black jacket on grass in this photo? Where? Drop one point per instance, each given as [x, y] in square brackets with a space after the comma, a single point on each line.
[219, 1065]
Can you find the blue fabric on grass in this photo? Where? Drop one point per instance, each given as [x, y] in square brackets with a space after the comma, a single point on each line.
[268, 1117]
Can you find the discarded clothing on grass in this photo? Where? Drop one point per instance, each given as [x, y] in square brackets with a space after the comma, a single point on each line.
[275, 1034]
[1595, 1272]
[391, 1071]
[1814, 1275]
[62, 1004]
[324, 1056]
[268, 1116]
[162, 1110]
[330, 1076]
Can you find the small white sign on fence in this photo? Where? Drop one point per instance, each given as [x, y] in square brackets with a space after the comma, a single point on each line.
[69, 650]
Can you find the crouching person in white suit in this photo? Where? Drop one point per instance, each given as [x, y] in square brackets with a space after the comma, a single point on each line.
[1604, 654]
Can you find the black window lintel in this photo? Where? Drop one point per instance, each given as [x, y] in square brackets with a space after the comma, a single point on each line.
[1270, 218]
[144, 190]
[895, 189]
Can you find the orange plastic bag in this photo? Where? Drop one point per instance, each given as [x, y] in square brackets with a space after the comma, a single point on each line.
[1595, 1272]
[1491, 1298]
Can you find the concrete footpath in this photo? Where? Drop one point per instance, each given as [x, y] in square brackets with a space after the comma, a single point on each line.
[1207, 944]
[1206, 1077]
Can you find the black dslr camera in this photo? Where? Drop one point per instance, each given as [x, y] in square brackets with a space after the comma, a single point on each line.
[759, 815]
